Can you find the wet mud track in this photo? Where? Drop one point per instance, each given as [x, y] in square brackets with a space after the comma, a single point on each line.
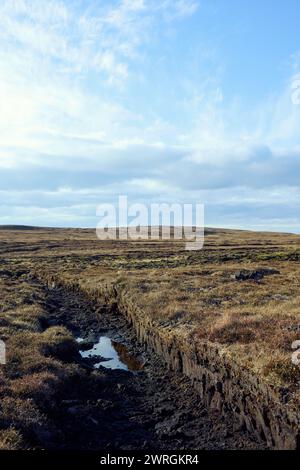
[149, 409]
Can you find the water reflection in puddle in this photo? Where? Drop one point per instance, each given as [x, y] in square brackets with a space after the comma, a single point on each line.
[113, 355]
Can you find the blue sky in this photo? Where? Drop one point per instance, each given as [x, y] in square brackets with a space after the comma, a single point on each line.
[163, 101]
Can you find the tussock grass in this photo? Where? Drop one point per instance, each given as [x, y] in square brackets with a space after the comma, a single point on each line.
[194, 292]
[39, 366]
[11, 439]
[200, 292]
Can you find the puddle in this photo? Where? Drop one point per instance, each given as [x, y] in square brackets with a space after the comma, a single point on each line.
[113, 355]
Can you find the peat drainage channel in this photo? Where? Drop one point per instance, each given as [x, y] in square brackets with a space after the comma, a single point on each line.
[127, 398]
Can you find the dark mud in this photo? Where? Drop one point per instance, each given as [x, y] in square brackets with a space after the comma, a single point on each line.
[151, 408]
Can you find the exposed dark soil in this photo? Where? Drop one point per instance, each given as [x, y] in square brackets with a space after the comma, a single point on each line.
[117, 410]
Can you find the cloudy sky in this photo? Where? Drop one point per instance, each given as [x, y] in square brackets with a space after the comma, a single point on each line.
[164, 101]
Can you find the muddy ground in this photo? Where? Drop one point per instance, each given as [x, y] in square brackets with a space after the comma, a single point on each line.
[152, 408]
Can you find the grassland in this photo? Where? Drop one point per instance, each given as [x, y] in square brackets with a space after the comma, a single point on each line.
[241, 293]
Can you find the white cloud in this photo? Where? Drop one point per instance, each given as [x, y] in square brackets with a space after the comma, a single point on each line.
[48, 50]
[176, 9]
[68, 130]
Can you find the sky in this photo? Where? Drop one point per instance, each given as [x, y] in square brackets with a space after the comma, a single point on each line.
[185, 101]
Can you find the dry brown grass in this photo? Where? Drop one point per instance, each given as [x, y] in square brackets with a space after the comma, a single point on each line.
[254, 322]
[198, 291]
[11, 439]
[39, 364]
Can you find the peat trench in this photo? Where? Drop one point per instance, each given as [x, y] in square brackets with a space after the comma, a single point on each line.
[140, 404]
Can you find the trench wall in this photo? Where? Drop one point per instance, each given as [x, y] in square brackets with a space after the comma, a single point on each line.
[222, 384]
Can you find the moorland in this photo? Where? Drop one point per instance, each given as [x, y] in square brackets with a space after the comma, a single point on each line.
[221, 321]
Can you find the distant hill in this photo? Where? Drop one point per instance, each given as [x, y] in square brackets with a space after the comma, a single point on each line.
[19, 227]
[207, 230]
[33, 227]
